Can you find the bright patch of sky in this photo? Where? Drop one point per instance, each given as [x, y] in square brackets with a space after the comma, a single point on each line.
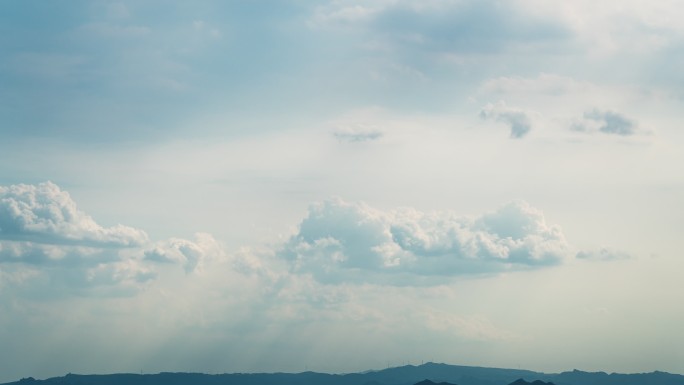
[272, 186]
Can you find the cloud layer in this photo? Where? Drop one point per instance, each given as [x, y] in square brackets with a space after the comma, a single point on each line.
[45, 234]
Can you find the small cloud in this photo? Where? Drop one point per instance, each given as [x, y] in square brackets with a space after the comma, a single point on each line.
[191, 254]
[518, 120]
[607, 122]
[603, 254]
[357, 133]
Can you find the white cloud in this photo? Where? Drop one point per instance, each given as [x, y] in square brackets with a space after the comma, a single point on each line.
[328, 285]
[191, 254]
[44, 213]
[45, 235]
[340, 241]
[518, 120]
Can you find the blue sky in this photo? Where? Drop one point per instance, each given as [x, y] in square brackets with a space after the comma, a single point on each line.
[272, 186]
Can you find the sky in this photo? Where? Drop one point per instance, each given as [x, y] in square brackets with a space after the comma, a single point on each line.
[260, 186]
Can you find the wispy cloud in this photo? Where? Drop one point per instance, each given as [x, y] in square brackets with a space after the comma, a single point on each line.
[606, 122]
[357, 133]
[456, 27]
[603, 254]
[518, 120]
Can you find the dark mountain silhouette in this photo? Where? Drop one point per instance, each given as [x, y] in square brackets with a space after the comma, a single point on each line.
[428, 382]
[520, 381]
[427, 374]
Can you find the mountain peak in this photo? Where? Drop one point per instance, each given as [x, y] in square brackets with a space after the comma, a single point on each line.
[428, 382]
[521, 381]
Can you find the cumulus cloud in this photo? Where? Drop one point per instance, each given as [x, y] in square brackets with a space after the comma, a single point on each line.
[190, 254]
[607, 122]
[44, 236]
[44, 213]
[518, 120]
[340, 241]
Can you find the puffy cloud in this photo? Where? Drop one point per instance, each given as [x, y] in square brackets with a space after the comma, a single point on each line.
[607, 122]
[518, 120]
[338, 236]
[188, 253]
[357, 133]
[44, 236]
[341, 241]
[44, 213]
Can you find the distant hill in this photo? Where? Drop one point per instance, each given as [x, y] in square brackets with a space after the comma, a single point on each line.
[428, 382]
[427, 374]
[535, 382]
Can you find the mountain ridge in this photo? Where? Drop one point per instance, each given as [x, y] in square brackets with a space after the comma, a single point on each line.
[401, 375]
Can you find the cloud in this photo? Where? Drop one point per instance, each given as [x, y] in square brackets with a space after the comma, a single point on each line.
[63, 251]
[190, 254]
[51, 255]
[603, 254]
[50, 271]
[450, 27]
[45, 214]
[340, 241]
[518, 120]
[546, 84]
[607, 122]
[357, 133]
